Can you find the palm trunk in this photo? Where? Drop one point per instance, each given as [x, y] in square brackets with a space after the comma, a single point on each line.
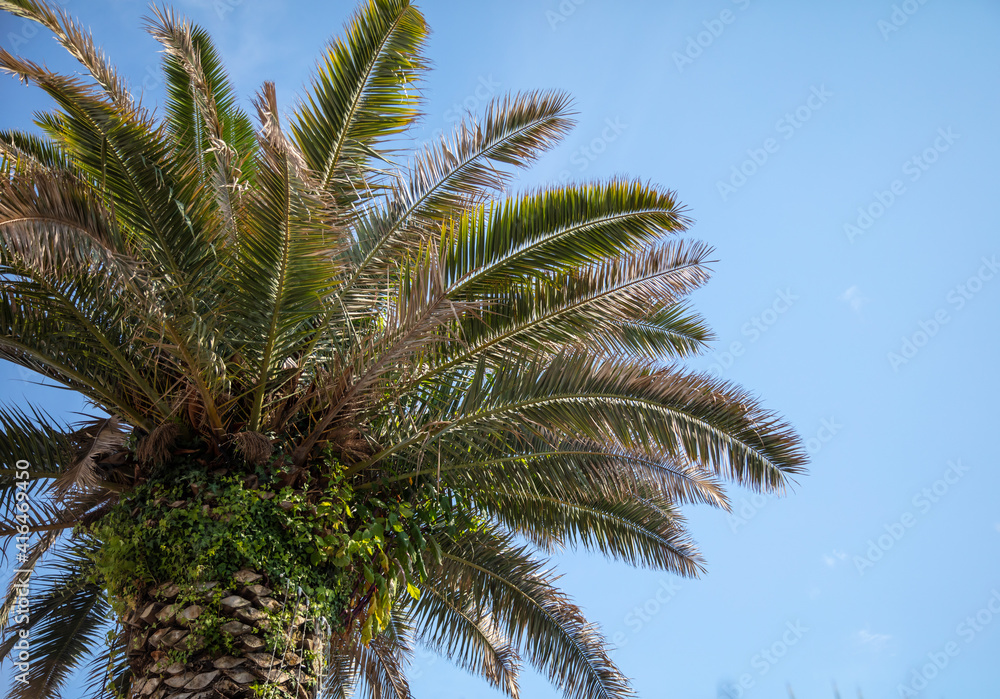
[265, 645]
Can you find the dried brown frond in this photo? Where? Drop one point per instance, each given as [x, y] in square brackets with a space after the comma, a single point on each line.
[80, 44]
[94, 441]
[155, 448]
[253, 446]
[98, 512]
[349, 444]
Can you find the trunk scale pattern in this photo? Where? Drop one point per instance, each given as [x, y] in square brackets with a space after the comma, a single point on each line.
[265, 644]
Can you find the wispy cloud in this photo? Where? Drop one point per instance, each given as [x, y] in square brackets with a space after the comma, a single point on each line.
[854, 298]
[833, 558]
[874, 641]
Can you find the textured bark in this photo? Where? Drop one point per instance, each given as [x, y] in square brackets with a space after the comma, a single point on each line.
[162, 623]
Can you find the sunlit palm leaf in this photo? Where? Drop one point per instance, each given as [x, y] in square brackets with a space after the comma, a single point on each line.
[210, 130]
[451, 626]
[65, 626]
[363, 93]
[550, 632]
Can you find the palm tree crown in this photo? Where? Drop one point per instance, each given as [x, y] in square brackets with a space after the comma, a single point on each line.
[411, 379]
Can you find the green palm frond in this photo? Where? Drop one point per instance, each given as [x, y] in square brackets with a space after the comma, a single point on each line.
[504, 581]
[282, 271]
[213, 135]
[514, 130]
[375, 670]
[24, 150]
[382, 671]
[674, 331]
[121, 151]
[575, 469]
[455, 173]
[451, 626]
[35, 437]
[689, 415]
[341, 675]
[69, 349]
[23, 572]
[632, 530]
[66, 624]
[55, 469]
[363, 93]
[108, 673]
[557, 230]
[604, 306]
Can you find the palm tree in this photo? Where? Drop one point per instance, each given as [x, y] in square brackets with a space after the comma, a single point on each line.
[340, 404]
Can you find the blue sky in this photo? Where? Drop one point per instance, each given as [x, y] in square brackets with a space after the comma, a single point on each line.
[842, 159]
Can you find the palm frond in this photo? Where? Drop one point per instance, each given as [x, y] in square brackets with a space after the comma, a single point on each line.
[54, 224]
[29, 151]
[557, 230]
[689, 416]
[456, 173]
[362, 94]
[123, 152]
[628, 303]
[98, 438]
[65, 625]
[450, 625]
[35, 437]
[210, 130]
[108, 673]
[633, 530]
[341, 677]
[375, 670]
[49, 514]
[282, 270]
[22, 575]
[78, 42]
[674, 332]
[46, 331]
[503, 581]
